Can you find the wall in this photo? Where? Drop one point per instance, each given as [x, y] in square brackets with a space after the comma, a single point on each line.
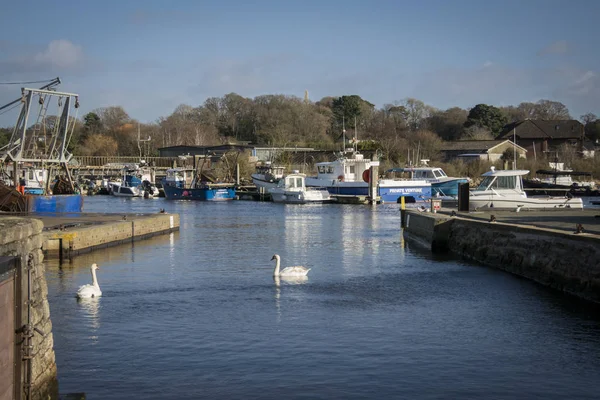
[561, 260]
[22, 237]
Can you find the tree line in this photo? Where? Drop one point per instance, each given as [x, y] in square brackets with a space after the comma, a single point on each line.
[288, 121]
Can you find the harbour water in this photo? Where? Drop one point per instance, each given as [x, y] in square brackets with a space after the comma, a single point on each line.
[197, 314]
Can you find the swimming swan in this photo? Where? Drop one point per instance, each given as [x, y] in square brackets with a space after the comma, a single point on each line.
[93, 290]
[288, 271]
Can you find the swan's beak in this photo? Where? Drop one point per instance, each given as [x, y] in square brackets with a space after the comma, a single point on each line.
[272, 258]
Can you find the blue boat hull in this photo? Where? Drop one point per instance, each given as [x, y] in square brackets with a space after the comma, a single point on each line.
[200, 194]
[387, 194]
[417, 193]
[448, 188]
[64, 203]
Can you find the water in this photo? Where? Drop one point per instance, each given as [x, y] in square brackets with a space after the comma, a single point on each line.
[196, 314]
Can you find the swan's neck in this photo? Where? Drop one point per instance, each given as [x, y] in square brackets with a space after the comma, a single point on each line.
[94, 279]
[276, 272]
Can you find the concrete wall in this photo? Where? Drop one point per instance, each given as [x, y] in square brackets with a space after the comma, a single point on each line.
[561, 260]
[87, 238]
[22, 238]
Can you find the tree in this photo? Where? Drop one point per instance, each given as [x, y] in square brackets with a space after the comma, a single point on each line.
[552, 110]
[587, 118]
[99, 145]
[592, 130]
[477, 133]
[92, 123]
[486, 116]
[449, 124]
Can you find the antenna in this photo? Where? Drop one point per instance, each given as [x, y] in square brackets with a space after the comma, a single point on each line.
[514, 148]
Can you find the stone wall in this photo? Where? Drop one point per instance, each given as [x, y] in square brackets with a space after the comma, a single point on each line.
[558, 259]
[22, 237]
[564, 261]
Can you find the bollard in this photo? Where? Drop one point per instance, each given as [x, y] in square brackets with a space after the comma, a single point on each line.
[402, 203]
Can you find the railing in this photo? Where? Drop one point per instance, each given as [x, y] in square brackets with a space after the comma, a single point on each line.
[99, 161]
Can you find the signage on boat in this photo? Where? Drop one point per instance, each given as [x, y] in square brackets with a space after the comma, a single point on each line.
[406, 190]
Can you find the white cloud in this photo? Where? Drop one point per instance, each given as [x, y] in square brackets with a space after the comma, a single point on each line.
[60, 53]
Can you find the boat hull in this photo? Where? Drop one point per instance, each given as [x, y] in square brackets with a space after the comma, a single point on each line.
[525, 203]
[67, 203]
[389, 191]
[300, 197]
[200, 194]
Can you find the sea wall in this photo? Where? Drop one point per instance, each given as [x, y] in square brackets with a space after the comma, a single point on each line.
[22, 238]
[562, 260]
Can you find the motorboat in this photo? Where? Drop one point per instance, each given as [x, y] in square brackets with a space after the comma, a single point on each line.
[136, 182]
[350, 173]
[292, 189]
[442, 185]
[267, 175]
[503, 190]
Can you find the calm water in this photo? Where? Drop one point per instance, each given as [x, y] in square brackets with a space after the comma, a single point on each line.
[196, 314]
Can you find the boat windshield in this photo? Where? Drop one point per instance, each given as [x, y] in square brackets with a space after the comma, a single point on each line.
[438, 173]
[498, 182]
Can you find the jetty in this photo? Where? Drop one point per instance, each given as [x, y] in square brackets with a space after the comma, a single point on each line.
[559, 249]
[69, 234]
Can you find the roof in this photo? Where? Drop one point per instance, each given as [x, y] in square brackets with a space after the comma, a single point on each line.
[474, 146]
[543, 129]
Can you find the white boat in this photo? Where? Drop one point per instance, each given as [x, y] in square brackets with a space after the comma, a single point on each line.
[267, 175]
[349, 175]
[503, 190]
[292, 189]
[136, 182]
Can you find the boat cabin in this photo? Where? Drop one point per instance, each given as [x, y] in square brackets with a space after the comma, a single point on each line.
[345, 169]
[502, 180]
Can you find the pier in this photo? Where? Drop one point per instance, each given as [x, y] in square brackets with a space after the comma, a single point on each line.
[65, 235]
[559, 249]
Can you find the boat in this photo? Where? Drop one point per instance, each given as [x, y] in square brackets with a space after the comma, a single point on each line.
[292, 190]
[442, 185]
[560, 180]
[267, 176]
[136, 182]
[349, 175]
[176, 188]
[503, 190]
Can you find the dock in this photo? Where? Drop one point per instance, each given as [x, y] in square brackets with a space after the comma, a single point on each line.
[66, 235]
[559, 249]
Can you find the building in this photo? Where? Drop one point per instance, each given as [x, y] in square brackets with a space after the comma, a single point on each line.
[487, 150]
[541, 137]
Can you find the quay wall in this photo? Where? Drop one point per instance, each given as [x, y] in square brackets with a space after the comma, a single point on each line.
[35, 365]
[562, 260]
[71, 241]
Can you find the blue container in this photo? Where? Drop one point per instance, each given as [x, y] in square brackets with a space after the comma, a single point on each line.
[66, 203]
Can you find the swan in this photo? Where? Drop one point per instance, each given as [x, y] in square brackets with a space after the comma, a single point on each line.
[93, 290]
[288, 271]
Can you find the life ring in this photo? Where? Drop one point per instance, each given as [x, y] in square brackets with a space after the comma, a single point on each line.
[366, 175]
[341, 178]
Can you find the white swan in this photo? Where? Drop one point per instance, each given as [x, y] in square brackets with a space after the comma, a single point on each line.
[288, 271]
[93, 290]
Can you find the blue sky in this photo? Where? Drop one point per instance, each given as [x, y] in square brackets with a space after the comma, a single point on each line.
[150, 56]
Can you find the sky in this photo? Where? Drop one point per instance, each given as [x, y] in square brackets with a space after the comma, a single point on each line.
[151, 56]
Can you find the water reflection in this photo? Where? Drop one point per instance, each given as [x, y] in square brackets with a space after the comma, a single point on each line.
[282, 281]
[90, 308]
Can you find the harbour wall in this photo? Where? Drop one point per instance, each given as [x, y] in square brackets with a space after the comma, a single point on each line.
[66, 241]
[558, 259]
[30, 346]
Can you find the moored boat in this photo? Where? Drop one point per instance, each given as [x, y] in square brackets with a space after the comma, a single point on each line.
[441, 184]
[349, 175]
[292, 189]
[203, 192]
[267, 175]
[503, 190]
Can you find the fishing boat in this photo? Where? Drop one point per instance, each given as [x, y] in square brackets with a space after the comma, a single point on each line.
[267, 175]
[176, 188]
[442, 185]
[292, 190]
[349, 175]
[503, 190]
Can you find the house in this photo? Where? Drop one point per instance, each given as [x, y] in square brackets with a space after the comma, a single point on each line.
[540, 137]
[488, 150]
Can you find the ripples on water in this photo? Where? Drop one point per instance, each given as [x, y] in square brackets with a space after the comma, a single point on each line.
[196, 314]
